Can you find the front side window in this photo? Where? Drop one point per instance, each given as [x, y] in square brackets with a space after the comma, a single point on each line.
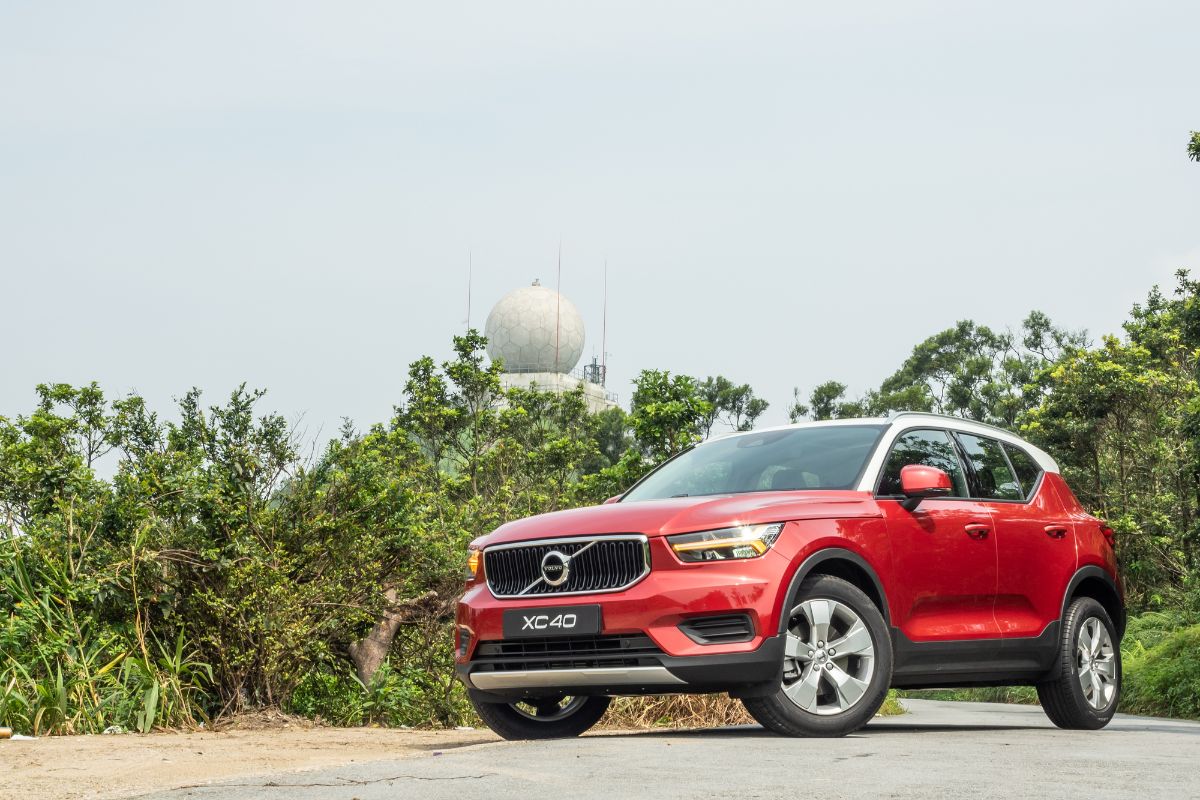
[791, 459]
[930, 448]
[994, 479]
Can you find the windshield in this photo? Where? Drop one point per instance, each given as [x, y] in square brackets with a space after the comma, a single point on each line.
[819, 457]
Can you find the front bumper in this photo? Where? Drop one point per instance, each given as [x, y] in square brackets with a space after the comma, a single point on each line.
[651, 612]
[741, 674]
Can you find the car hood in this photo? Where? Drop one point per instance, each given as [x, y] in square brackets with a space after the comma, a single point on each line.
[683, 514]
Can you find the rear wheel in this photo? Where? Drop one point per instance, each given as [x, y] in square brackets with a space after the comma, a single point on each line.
[1082, 693]
[542, 717]
[837, 663]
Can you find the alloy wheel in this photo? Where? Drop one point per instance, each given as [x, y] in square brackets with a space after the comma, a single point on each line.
[829, 657]
[1096, 663]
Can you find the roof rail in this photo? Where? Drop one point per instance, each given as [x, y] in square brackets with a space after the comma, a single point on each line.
[894, 414]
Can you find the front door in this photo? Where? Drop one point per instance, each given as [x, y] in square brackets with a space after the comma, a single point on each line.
[943, 551]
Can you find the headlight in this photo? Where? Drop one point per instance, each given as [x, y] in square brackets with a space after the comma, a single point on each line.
[474, 558]
[748, 541]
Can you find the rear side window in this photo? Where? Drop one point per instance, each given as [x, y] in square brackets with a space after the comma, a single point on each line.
[1027, 469]
[994, 479]
[930, 448]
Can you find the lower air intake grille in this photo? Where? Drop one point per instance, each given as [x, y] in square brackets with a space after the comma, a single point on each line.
[575, 652]
[724, 629]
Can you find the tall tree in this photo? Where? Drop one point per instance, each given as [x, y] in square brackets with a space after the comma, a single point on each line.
[968, 370]
[729, 404]
[668, 413]
[1119, 418]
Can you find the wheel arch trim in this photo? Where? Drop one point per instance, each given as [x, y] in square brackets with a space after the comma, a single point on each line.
[820, 557]
[1094, 572]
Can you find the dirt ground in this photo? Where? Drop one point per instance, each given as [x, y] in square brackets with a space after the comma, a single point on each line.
[69, 767]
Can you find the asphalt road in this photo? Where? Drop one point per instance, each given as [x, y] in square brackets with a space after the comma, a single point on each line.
[959, 750]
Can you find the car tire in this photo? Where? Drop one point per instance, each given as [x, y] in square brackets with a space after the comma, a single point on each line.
[1089, 653]
[826, 692]
[542, 718]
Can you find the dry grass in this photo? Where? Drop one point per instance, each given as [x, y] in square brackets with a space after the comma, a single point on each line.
[267, 719]
[695, 711]
[676, 711]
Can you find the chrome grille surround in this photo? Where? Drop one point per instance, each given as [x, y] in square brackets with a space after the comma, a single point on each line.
[608, 563]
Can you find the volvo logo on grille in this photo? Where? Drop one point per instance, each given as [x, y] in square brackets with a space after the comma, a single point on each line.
[556, 568]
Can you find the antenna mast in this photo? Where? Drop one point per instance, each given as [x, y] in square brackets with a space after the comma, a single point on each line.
[558, 305]
[604, 331]
[470, 276]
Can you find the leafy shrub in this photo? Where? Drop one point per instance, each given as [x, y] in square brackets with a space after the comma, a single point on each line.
[1021, 695]
[426, 651]
[409, 696]
[1152, 628]
[1164, 680]
[336, 699]
[391, 698]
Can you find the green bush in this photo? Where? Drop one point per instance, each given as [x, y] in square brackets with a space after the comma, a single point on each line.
[409, 696]
[1152, 628]
[1164, 680]
[426, 651]
[1022, 695]
[336, 699]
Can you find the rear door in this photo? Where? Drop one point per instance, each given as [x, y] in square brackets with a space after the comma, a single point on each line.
[1035, 537]
[943, 551]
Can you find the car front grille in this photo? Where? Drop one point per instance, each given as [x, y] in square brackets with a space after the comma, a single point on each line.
[596, 564]
[574, 652]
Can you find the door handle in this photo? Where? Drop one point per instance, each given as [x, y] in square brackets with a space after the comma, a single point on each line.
[1055, 531]
[977, 530]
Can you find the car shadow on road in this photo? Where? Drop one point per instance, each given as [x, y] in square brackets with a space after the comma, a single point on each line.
[872, 729]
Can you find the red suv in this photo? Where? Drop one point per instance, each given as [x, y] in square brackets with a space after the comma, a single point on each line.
[803, 569]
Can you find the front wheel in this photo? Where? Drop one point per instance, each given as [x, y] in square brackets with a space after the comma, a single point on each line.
[837, 663]
[542, 717]
[1082, 693]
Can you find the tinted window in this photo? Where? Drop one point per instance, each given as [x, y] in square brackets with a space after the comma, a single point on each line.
[929, 448]
[1027, 469]
[994, 479]
[828, 457]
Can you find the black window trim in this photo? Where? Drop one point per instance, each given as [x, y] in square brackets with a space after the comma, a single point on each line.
[974, 480]
[976, 494]
[966, 466]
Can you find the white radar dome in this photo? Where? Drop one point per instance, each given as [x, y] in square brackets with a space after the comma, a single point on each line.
[521, 331]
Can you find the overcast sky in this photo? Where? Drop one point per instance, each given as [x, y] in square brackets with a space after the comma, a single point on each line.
[286, 193]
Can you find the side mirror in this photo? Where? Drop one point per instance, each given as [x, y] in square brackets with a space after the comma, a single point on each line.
[918, 481]
[612, 499]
